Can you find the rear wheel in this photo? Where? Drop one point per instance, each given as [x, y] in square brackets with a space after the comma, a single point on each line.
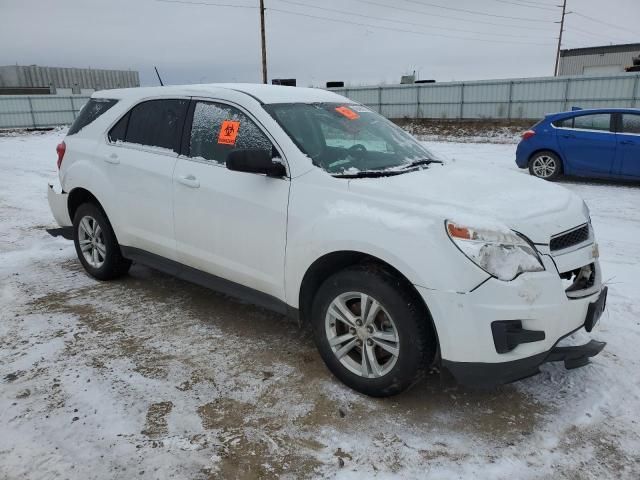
[546, 165]
[371, 333]
[96, 244]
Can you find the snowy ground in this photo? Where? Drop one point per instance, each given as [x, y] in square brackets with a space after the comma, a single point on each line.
[151, 377]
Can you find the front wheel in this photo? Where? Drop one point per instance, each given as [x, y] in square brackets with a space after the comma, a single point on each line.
[371, 332]
[545, 165]
[96, 244]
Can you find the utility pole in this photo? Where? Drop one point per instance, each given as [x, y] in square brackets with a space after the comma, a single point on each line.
[264, 44]
[564, 12]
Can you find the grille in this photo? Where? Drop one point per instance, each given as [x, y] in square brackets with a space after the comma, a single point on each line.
[569, 239]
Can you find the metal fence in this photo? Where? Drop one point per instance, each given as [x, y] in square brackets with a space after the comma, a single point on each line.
[522, 98]
[38, 111]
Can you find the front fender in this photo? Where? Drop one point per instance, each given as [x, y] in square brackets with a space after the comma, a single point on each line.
[413, 243]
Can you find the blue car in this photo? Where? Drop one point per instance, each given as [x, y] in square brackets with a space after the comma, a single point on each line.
[601, 143]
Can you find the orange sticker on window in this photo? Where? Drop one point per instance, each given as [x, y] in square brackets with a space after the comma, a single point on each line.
[347, 112]
[228, 132]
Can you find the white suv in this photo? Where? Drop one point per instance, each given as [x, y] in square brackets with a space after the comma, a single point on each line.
[307, 203]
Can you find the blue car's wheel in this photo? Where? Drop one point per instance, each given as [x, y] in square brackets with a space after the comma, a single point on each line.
[546, 165]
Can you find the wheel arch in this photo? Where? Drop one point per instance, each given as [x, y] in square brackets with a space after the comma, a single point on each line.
[330, 263]
[77, 197]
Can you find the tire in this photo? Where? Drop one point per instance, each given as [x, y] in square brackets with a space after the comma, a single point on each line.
[546, 165]
[103, 259]
[401, 320]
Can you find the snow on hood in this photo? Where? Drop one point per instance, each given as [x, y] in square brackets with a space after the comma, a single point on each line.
[482, 198]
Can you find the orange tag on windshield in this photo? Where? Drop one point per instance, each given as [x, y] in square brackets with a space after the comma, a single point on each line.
[347, 112]
[228, 132]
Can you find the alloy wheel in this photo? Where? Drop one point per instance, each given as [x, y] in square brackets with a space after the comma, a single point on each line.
[362, 335]
[544, 166]
[91, 240]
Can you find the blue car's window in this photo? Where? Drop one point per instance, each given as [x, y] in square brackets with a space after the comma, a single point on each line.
[566, 123]
[598, 121]
[631, 123]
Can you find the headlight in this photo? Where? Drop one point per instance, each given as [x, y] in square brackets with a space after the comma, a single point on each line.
[502, 254]
[585, 210]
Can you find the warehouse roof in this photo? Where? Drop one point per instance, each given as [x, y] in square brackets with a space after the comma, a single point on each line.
[626, 47]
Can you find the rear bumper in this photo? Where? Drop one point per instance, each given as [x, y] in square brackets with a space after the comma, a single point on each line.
[523, 152]
[59, 207]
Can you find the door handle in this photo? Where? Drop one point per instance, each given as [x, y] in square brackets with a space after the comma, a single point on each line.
[627, 142]
[568, 135]
[112, 158]
[189, 181]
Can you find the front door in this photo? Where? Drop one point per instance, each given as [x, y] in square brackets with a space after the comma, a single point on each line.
[628, 151]
[587, 143]
[227, 223]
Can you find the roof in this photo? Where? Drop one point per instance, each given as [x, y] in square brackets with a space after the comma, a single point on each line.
[261, 92]
[582, 111]
[627, 47]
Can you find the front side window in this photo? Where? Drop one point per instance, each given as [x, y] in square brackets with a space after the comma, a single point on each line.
[218, 129]
[599, 121]
[630, 123]
[346, 139]
[154, 123]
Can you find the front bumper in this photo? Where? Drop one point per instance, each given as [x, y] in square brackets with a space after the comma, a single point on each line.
[534, 312]
[494, 374]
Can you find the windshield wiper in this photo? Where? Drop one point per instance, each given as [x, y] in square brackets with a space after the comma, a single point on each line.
[421, 162]
[369, 174]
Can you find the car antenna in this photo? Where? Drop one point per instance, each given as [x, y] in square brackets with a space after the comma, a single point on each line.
[158, 74]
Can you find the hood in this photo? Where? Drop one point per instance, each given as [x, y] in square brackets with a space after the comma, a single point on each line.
[468, 195]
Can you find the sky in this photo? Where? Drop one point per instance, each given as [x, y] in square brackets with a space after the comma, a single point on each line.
[360, 42]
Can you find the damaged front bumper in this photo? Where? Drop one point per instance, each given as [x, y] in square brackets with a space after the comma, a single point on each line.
[493, 374]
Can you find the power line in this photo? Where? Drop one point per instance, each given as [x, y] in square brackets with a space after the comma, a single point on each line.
[635, 32]
[526, 5]
[228, 5]
[457, 19]
[572, 29]
[401, 21]
[475, 12]
[348, 22]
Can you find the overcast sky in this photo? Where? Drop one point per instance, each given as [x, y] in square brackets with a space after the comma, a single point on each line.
[195, 43]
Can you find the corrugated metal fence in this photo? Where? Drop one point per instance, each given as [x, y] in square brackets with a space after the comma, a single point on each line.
[36, 111]
[522, 98]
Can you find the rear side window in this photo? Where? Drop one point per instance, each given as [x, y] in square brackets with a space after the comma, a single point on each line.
[565, 123]
[630, 123]
[91, 110]
[599, 121]
[154, 123]
[119, 130]
[217, 129]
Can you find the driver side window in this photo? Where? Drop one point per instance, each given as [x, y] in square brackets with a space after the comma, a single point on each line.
[217, 129]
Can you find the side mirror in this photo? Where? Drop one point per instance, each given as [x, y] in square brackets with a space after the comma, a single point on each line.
[255, 161]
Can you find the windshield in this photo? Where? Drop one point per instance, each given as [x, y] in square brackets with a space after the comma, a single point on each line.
[347, 139]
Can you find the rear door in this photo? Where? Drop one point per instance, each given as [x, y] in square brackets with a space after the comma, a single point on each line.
[230, 224]
[141, 154]
[628, 152]
[587, 143]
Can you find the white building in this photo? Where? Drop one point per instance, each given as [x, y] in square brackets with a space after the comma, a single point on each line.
[597, 60]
